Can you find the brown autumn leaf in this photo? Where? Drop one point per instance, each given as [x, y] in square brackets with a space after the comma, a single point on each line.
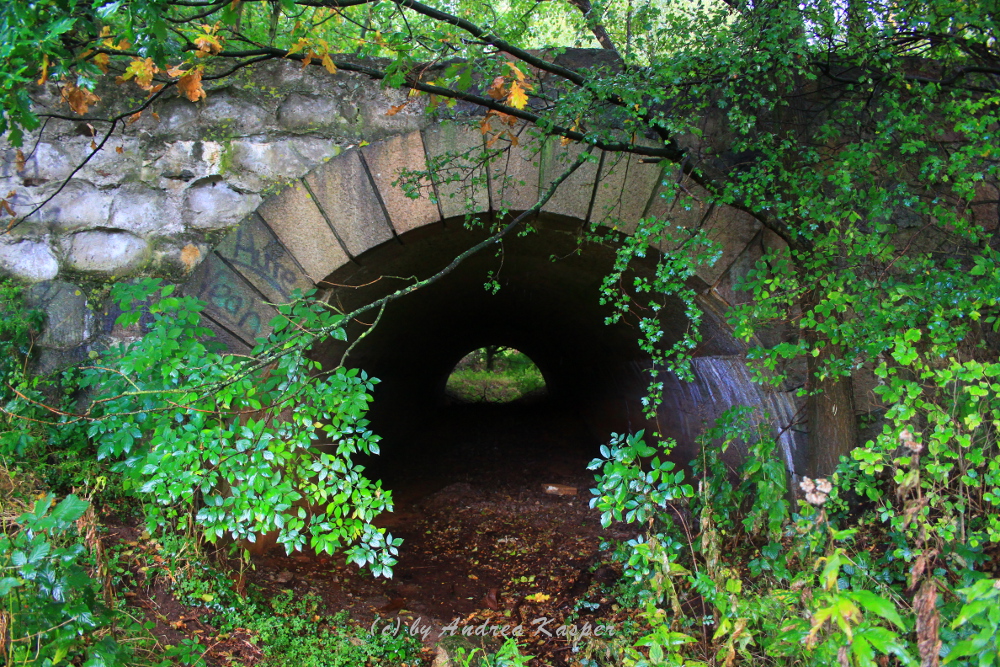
[496, 90]
[928, 624]
[134, 117]
[5, 206]
[20, 160]
[514, 142]
[156, 116]
[93, 145]
[79, 99]
[490, 599]
[396, 109]
[119, 150]
[190, 85]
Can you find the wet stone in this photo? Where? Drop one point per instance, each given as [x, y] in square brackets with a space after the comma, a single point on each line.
[68, 321]
[256, 253]
[231, 301]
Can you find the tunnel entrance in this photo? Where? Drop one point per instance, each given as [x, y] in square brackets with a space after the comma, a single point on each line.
[492, 498]
[495, 374]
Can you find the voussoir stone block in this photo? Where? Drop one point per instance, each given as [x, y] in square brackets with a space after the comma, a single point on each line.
[574, 195]
[515, 174]
[732, 229]
[385, 159]
[461, 184]
[298, 222]
[624, 190]
[109, 252]
[346, 196]
[257, 253]
[30, 261]
[231, 300]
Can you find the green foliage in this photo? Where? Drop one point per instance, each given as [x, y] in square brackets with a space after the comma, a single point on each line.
[293, 633]
[52, 609]
[240, 446]
[512, 376]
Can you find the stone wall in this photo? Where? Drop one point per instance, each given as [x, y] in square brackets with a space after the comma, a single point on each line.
[165, 189]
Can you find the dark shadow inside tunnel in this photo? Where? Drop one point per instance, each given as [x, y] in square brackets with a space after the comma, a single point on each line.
[547, 304]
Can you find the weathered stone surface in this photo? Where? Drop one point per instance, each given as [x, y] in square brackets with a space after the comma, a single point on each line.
[30, 261]
[574, 195]
[297, 221]
[80, 205]
[142, 210]
[68, 320]
[385, 159]
[47, 162]
[514, 176]
[231, 300]
[345, 194]
[211, 204]
[256, 252]
[732, 230]
[274, 160]
[309, 113]
[624, 190]
[460, 187]
[227, 114]
[108, 252]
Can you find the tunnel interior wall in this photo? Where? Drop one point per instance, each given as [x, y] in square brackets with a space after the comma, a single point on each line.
[548, 306]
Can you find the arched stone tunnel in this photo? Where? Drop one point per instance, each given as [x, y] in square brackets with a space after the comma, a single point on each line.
[345, 229]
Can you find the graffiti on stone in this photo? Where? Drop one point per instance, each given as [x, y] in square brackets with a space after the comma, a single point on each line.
[231, 301]
[254, 250]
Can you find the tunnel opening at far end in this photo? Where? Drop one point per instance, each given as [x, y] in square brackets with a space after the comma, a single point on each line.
[495, 374]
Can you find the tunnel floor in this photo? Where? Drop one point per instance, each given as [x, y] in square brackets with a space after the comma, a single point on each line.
[483, 542]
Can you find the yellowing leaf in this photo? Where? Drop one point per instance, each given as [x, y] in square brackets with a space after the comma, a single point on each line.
[102, 60]
[328, 64]
[517, 98]
[538, 597]
[516, 71]
[45, 70]
[142, 70]
[190, 85]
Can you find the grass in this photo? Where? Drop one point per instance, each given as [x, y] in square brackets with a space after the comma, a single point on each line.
[508, 376]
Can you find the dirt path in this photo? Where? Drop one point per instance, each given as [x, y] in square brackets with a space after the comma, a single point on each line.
[483, 542]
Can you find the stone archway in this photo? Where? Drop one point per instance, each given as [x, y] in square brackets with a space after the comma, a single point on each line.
[343, 215]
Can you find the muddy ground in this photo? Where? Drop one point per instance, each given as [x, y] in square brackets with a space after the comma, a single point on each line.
[483, 541]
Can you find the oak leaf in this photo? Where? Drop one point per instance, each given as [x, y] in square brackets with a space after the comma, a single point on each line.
[396, 109]
[102, 61]
[496, 89]
[79, 99]
[190, 85]
[517, 97]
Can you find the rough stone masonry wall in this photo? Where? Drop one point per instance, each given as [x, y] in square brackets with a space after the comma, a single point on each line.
[164, 189]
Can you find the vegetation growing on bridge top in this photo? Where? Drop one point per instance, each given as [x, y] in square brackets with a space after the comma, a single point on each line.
[860, 134]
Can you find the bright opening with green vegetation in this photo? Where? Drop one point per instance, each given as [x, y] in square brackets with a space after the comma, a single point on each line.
[495, 374]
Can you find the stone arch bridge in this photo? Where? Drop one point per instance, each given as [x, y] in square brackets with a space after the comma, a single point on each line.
[300, 194]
